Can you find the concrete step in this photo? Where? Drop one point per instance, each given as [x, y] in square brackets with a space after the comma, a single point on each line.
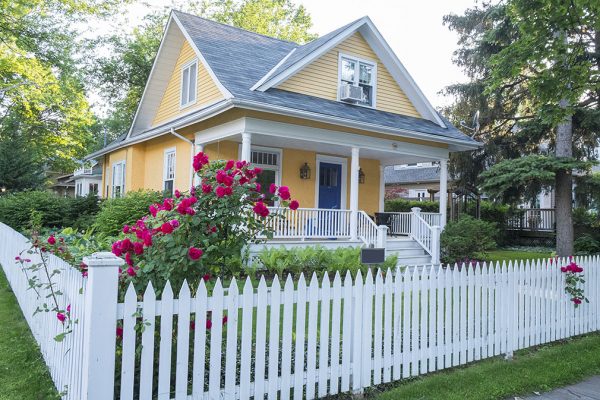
[407, 252]
[402, 245]
[413, 260]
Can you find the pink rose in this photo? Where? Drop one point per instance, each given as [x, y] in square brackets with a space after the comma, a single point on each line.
[153, 210]
[138, 248]
[229, 165]
[284, 193]
[119, 332]
[208, 324]
[128, 259]
[294, 205]
[116, 249]
[131, 272]
[220, 191]
[206, 189]
[206, 278]
[126, 229]
[273, 188]
[61, 317]
[51, 240]
[177, 194]
[195, 253]
[166, 228]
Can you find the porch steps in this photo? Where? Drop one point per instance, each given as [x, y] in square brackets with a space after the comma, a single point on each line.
[408, 251]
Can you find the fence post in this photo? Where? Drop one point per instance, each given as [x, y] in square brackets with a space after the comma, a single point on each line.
[435, 244]
[100, 318]
[382, 236]
[414, 223]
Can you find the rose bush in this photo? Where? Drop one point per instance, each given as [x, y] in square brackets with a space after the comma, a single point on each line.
[201, 234]
[573, 277]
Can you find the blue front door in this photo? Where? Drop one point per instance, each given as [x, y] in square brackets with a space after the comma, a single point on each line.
[330, 186]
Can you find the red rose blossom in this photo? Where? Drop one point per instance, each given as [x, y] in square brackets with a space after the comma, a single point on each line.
[294, 205]
[51, 240]
[166, 228]
[195, 253]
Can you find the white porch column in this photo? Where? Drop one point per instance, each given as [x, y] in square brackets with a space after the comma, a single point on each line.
[354, 167]
[246, 146]
[443, 191]
[381, 187]
[198, 147]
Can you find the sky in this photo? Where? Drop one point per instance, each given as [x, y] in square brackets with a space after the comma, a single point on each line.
[413, 29]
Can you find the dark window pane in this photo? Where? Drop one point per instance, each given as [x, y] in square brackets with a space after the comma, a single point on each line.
[265, 179]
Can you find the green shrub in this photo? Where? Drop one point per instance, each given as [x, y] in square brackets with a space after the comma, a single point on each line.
[311, 259]
[54, 211]
[466, 238]
[126, 210]
[403, 205]
[586, 244]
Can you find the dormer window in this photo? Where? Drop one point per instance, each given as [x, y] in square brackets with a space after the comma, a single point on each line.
[189, 74]
[357, 80]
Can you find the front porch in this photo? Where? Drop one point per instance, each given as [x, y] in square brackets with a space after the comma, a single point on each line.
[338, 178]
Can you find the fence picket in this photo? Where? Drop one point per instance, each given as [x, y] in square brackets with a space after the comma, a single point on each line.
[367, 323]
[286, 343]
[183, 342]
[166, 340]
[147, 359]
[231, 349]
[299, 351]
[311, 354]
[246, 355]
[387, 330]
[128, 354]
[214, 375]
[336, 297]
[199, 363]
[377, 331]
[275, 300]
[347, 332]
[324, 336]
[260, 351]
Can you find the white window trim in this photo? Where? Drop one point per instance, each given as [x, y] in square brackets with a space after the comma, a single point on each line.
[278, 169]
[113, 185]
[358, 60]
[183, 68]
[166, 152]
[332, 160]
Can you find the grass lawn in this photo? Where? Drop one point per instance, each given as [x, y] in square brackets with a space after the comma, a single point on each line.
[503, 254]
[23, 373]
[533, 370]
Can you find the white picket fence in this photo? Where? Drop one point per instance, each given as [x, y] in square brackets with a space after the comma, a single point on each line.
[64, 359]
[308, 339]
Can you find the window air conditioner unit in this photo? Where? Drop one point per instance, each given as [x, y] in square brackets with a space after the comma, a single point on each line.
[351, 93]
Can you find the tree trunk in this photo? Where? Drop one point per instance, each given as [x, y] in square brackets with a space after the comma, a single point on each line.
[563, 191]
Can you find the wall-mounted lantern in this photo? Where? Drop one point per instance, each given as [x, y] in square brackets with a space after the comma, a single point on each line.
[361, 176]
[305, 171]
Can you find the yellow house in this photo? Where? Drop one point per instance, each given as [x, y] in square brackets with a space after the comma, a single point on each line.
[324, 118]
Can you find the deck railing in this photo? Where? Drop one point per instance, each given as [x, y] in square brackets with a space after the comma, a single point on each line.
[399, 223]
[533, 219]
[426, 235]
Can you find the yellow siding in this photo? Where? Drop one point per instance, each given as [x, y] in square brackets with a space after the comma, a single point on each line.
[320, 78]
[111, 159]
[144, 169]
[207, 90]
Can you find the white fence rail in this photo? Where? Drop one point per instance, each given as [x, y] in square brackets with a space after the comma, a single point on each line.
[305, 339]
[65, 358]
[426, 235]
[310, 223]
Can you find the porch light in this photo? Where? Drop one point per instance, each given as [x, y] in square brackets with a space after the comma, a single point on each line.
[305, 171]
[361, 176]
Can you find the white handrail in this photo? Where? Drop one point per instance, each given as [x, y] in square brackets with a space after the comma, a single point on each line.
[400, 222]
[426, 235]
[367, 229]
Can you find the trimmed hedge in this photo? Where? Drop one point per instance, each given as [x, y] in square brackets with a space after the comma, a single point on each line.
[402, 205]
[54, 211]
[126, 210]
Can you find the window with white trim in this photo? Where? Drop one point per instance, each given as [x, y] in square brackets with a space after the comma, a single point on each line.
[118, 179]
[357, 73]
[189, 76]
[270, 162]
[169, 171]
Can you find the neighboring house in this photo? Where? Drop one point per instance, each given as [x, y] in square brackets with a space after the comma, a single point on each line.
[62, 184]
[88, 179]
[413, 182]
[341, 108]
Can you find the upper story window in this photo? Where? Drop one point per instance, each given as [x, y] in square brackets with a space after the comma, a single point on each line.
[118, 179]
[357, 81]
[189, 75]
[169, 171]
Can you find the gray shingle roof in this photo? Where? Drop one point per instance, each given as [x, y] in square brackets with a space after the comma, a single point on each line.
[240, 58]
[411, 175]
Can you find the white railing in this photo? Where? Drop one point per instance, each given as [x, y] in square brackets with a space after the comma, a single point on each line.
[426, 235]
[309, 223]
[533, 219]
[347, 334]
[63, 358]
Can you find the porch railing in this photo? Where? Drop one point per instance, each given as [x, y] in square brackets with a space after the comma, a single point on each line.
[310, 223]
[368, 231]
[426, 235]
